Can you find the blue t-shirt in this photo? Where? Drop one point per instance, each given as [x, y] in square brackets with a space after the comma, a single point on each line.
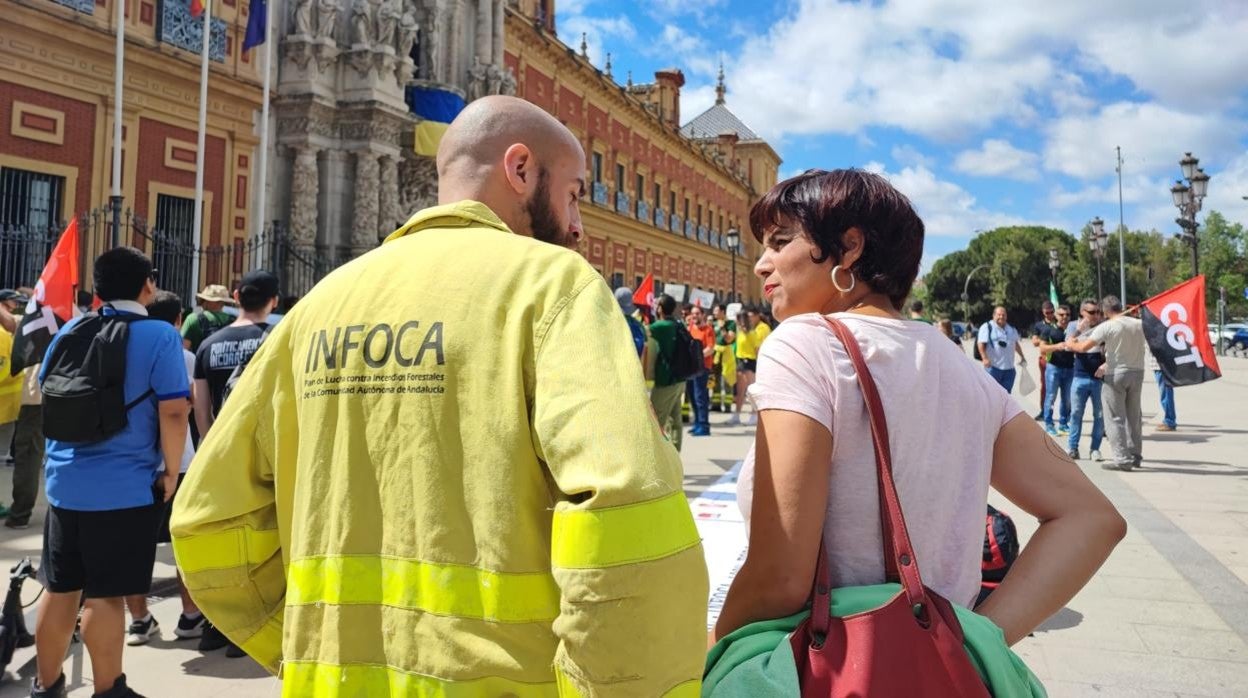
[118, 472]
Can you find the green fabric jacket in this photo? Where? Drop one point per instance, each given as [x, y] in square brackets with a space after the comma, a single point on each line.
[664, 332]
[757, 660]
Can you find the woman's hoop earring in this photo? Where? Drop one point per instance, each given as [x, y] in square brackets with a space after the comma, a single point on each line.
[853, 281]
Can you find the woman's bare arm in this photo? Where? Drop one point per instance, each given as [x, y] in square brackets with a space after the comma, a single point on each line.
[1079, 527]
[792, 465]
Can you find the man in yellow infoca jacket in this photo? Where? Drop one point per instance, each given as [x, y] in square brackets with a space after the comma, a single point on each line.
[440, 474]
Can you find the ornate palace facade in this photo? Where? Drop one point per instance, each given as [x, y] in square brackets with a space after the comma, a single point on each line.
[663, 197]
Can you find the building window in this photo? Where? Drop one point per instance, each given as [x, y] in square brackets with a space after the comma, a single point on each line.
[639, 280]
[174, 245]
[658, 195]
[641, 186]
[619, 177]
[30, 199]
[699, 214]
[617, 280]
[671, 208]
[721, 221]
[686, 216]
[597, 167]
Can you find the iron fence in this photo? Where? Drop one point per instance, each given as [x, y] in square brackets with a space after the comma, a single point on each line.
[182, 267]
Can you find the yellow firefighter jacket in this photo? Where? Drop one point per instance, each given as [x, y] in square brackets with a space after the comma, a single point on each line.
[440, 476]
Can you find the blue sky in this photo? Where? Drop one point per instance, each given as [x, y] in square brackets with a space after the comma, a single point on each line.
[985, 113]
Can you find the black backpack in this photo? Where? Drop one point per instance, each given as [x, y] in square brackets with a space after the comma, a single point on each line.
[687, 360]
[208, 324]
[1000, 551]
[84, 398]
[237, 374]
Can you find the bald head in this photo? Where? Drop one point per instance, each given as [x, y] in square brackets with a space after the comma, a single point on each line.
[512, 156]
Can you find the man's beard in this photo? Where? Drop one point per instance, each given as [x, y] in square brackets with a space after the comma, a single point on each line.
[542, 219]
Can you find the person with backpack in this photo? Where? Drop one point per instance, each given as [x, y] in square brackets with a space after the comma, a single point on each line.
[210, 317]
[218, 359]
[668, 387]
[115, 404]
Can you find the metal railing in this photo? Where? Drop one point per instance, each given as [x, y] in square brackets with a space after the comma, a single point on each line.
[24, 250]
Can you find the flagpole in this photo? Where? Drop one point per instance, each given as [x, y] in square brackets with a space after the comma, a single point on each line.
[262, 169]
[197, 229]
[1122, 234]
[118, 75]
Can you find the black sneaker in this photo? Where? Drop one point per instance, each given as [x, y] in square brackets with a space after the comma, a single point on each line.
[119, 690]
[211, 639]
[18, 524]
[234, 651]
[56, 690]
[189, 628]
[1074, 453]
[142, 630]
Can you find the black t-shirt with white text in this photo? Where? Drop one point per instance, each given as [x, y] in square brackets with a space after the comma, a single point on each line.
[221, 353]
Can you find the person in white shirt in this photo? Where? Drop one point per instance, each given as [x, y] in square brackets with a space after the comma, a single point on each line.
[1123, 339]
[998, 342]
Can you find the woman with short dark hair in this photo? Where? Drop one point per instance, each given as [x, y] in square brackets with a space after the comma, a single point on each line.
[846, 244]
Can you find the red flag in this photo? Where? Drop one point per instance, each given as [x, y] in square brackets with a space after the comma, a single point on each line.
[1178, 334]
[52, 305]
[644, 296]
[197, 8]
[58, 284]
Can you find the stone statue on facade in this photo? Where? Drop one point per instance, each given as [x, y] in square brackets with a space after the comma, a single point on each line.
[409, 30]
[478, 80]
[326, 18]
[304, 182]
[508, 86]
[302, 18]
[362, 23]
[388, 16]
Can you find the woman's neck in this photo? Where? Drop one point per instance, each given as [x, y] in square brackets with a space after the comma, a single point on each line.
[872, 304]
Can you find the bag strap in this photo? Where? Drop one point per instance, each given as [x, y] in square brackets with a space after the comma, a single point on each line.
[900, 563]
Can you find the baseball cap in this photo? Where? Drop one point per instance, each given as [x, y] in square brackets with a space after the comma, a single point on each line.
[9, 294]
[263, 282]
[215, 293]
[624, 296]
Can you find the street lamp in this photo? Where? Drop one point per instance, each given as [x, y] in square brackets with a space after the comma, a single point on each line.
[1098, 242]
[966, 298]
[734, 241]
[1188, 198]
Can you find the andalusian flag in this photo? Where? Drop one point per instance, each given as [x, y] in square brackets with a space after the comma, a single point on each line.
[437, 109]
[1053, 293]
[197, 8]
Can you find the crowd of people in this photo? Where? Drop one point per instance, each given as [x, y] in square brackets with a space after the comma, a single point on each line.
[444, 471]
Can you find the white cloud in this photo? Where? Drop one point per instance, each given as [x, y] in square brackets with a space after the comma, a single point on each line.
[998, 158]
[945, 207]
[600, 33]
[909, 155]
[1228, 188]
[1136, 189]
[1153, 138]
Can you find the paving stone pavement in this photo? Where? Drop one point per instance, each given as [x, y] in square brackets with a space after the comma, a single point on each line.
[1166, 616]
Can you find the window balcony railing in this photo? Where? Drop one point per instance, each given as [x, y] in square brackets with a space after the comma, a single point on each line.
[691, 229]
[660, 219]
[83, 6]
[600, 193]
[677, 224]
[704, 235]
[643, 211]
[622, 203]
[179, 28]
[715, 239]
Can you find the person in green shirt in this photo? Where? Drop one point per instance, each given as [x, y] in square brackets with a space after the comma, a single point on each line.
[212, 317]
[666, 394]
[916, 313]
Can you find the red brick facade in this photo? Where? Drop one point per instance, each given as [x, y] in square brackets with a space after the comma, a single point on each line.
[152, 168]
[78, 147]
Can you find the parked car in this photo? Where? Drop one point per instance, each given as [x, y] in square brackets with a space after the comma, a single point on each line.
[1229, 330]
[1239, 340]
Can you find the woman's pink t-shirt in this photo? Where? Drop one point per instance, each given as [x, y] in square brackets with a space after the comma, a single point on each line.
[943, 411]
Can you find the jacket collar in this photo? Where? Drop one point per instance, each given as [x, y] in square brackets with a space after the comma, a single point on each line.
[460, 214]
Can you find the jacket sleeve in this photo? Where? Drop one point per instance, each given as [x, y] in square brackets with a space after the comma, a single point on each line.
[624, 549]
[225, 517]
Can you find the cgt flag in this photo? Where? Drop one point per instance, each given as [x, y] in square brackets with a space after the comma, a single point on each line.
[1178, 336]
[52, 305]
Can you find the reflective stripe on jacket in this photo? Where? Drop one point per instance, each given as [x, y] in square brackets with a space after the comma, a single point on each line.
[440, 475]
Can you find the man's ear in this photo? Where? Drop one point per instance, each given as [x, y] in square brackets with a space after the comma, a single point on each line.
[519, 168]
